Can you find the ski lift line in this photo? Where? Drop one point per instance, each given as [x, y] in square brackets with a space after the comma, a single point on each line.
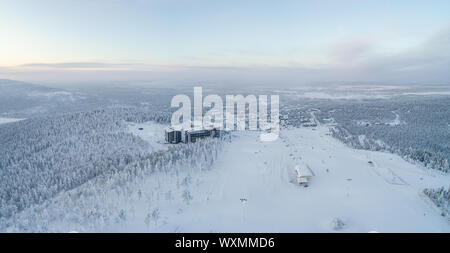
[310, 170]
[394, 175]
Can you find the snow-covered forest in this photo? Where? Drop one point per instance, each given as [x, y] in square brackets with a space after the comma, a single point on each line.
[421, 133]
[42, 158]
[441, 197]
[417, 128]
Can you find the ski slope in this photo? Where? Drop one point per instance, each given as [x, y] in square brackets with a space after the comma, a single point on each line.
[151, 132]
[384, 195]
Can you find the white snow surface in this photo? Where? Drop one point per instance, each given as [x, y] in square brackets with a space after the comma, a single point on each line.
[8, 120]
[383, 196]
[396, 121]
[151, 132]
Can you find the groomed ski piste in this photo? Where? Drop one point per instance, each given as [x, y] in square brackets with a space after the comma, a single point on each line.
[251, 188]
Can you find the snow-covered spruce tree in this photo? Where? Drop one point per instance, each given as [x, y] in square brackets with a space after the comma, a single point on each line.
[441, 198]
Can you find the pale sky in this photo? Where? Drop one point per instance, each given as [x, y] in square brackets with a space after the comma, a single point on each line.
[343, 39]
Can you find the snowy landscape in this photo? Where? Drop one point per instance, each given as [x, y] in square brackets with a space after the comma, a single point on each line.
[231, 116]
[109, 169]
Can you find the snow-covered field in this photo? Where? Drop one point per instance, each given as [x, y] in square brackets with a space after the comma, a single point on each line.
[362, 92]
[383, 195]
[9, 120]
[151, 132]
